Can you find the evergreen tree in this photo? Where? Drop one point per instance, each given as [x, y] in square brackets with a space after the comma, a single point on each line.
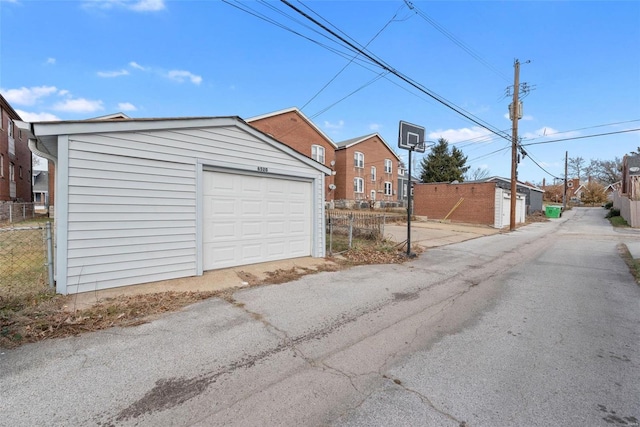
[443, 165]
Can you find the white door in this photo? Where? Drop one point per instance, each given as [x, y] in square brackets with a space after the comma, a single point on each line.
[249, 219]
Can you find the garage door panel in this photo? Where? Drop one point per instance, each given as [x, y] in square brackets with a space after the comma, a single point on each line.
[254, 219]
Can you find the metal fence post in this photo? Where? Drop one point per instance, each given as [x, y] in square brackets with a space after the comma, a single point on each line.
[49, 255]
[330, 237]
[350, 229]
[10, 212]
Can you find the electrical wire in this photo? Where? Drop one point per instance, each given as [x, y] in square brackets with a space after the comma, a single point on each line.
[403, 77]
[580, 137]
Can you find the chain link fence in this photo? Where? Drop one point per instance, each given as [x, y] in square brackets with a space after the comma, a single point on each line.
[343, 226]
[26, 258]
[13, 212]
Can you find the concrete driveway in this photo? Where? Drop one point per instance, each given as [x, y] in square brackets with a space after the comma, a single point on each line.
[430, 234]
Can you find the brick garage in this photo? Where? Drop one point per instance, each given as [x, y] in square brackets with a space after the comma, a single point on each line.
[436, 200]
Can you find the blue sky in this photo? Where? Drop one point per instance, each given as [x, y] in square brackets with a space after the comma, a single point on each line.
[65, 60]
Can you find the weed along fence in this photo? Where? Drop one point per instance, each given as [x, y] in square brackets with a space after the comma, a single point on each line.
[17, 212]
[341, 224]
[26, 259]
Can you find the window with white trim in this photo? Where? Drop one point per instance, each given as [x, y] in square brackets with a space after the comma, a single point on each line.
[373, 174]
[387, 166]
[317, 153]
[358, 185]
[1, 165]
[388, 188]
[12, 172]
[358, 159]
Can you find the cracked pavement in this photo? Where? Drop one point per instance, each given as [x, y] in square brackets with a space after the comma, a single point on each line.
[536, 327]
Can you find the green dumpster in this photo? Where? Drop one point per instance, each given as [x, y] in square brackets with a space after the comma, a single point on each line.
[553, 211]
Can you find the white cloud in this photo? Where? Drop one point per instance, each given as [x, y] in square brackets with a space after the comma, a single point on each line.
[136, 5]
[137, 66]
[126, 106]
[548, 132]
[27, 96]
[334, 126]
[148, 5]
[37, 117]
[50, 61]
[474, 134]
[375, 127]
[110, 74]
[79, 105]
[181, 75]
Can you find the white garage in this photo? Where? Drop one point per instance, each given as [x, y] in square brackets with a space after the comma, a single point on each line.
[142, 200]
[250, 219]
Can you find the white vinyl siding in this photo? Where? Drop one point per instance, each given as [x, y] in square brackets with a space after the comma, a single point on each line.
[132, 201]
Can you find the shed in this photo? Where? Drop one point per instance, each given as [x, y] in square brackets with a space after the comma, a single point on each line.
[533, 195]
[142, 200]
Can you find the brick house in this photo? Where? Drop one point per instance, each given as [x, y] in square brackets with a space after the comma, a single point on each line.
[366, 172]
[472, 202]
[15, 158]
[293, 128]
[627, 198]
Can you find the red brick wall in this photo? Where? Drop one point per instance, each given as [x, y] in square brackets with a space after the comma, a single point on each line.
[375, 152]
[294, 131]
[21, 159]
[436, 200]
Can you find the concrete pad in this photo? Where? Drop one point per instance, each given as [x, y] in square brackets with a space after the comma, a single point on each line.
[634, 248]
[431, 234]
[215, 280]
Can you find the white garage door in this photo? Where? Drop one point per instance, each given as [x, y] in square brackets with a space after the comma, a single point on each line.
[250, 219]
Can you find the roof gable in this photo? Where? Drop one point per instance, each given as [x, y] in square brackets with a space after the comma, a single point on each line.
[300, 114]
[355, 141]
[46, 133]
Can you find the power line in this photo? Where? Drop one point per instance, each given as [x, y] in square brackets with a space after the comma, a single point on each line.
[580, 137]
[455, 40]
[403, 77]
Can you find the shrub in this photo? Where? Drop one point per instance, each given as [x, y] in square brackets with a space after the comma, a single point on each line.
[608, 205]
[613, 212]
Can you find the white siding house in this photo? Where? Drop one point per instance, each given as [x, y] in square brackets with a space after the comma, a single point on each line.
[142, 200]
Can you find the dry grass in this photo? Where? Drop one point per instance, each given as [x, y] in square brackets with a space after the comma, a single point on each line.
[31, 315]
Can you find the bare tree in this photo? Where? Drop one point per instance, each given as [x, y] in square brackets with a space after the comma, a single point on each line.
[477, 174]
[608, 171]
[576, 167]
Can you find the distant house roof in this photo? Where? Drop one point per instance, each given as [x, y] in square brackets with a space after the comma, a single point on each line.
[354, 141]
[521, 184]
[299, 113]
[112, 117]
[40, 181]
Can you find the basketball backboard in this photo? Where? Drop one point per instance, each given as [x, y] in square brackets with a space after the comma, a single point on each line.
[411, 137]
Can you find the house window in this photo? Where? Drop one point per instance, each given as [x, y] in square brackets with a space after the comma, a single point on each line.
[20, 172]
[387, 166]
[404, 191]
[12, 172]
[1, 165]
[358, 159]
[317, 153]
[358, 185]
[373, 174]
[388, 188]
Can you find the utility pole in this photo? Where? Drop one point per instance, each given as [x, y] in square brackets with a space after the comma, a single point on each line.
[515, 115]
[566, 168]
